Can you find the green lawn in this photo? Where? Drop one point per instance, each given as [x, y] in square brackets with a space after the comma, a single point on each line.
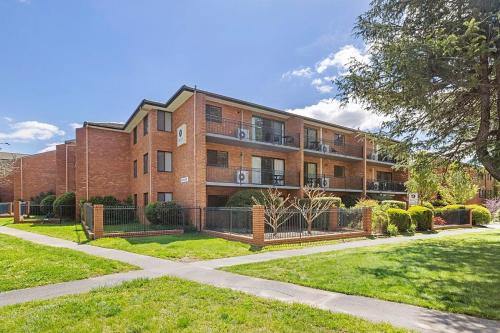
[172, 305]
[186, 247]
[24, 264]
[455, 274]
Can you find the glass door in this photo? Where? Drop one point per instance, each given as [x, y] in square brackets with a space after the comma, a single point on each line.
[279, 172]
[256, 170]
[310, 173]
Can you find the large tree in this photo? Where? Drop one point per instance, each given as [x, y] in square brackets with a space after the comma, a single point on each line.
[434, 70]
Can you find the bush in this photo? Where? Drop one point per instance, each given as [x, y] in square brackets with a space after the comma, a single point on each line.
[243, 198]
[422, 217]
[400, 218]
[392, 230]
[480, 214]
[334, 201]
[439, 203]
[394, 204]
[380, 219]
[47, 203]
[412, 229]
[427, 204]
[165, 213]
[349, 200]
[66, 199]
[38, 199]
[108, 200]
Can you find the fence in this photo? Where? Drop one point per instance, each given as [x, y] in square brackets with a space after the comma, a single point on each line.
[6, 208]
[260, 227]
[452, 218]
[48, 212]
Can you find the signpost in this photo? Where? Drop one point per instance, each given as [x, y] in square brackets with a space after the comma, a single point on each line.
[413, 199]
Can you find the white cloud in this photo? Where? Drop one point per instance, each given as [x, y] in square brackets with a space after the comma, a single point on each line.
[341, 58]
[31, 131]
[8, 119]
[50, 147]
[352, 115]
[299, 72]
[75, 125]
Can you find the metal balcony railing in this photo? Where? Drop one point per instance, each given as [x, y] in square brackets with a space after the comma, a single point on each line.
[248, 176]
[335, 147]
[385, 186]
[248, 132]
[329, 181]
[380, 157]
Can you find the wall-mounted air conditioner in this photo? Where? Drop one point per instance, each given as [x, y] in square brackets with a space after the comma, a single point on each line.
[324, 148]
[242, 177]
[181, 135]
[325, 182]
[243, 134]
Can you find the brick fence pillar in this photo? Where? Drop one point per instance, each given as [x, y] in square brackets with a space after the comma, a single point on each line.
[258, 222]
[98, 221]
[367, 220]
[333, 219]
[469, 216]
[17, 212]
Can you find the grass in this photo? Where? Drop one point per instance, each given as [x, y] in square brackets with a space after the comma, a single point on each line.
[185, 247]
[171, 305]
[455, 274]
[24, 264]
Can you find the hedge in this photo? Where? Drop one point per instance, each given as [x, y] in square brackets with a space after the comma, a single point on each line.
[400, 218]
[165, 213]
[427, 204]
[47, 203]
[422, 217]
[244, 198]
[438, 203]
[65, 199]
[480, 214]
[394, 204]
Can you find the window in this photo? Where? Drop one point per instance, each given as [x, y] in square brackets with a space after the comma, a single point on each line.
[339, 139]
[145, 124]
[145, 163]
[338, 171]
[146, 198]
[164, 121]
[311, 135]
[135, 135]
[217, 158]
[268, 130]
[384, 176]
[135, 169]
[135, 200]
[164, 161]
[213, 113]
[164, 196]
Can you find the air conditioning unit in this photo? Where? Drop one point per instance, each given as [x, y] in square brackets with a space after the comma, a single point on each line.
[242, 177]
[243, 134]
[325, 182]
[181, 135]
[324, 148]
[374, 156]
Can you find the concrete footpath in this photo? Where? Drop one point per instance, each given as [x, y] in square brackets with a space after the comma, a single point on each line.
[403, 315]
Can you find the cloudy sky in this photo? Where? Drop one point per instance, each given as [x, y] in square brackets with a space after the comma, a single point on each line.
[65, 62]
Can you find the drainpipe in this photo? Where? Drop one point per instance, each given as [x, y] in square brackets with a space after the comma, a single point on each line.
[66, 159]
[22, 185]
[194, 147]
[87, 160]
[150, 160]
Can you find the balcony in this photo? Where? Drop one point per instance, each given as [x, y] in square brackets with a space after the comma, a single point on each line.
[380, 158]
[340, 184]
[248, 177]
[326, 148]
[385, 186]
[230, 132]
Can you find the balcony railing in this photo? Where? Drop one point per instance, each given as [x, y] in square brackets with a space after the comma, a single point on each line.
[248, 176]
[335, 147]
[380, 157]
[251, 133]
[329, 181]
[385, 186]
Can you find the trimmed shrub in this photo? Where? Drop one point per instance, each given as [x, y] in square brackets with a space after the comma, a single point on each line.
[392, 230]
[38, 199]
[427, 204]
[108, 200]
[243, 198]
[439, 203]
[394, 204]
[380, 219]
[165, 213]
[47, 203]
[422, 217]
[65, 199]
[412, 228]
[480, 214]
[400, 218]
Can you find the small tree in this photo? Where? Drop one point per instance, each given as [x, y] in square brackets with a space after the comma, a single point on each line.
[312, 206]
[423, 178]
[275, 208]
[458, 185]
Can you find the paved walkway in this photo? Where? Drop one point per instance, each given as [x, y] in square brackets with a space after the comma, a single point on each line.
[402, 315]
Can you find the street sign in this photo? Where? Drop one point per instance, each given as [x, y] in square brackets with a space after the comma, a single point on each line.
[413, 199]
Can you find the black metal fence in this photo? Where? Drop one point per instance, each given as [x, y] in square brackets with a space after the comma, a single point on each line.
[5, 208]
[451, 217]
[61, 213]
[88, 215]
[294, 225]
[386, 186]
[130, 219]
[244, 176]
[233, 220]
[334, 147]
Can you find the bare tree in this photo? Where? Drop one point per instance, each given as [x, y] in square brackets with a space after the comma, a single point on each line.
[7, 167]
[312, 206]
[276, 208]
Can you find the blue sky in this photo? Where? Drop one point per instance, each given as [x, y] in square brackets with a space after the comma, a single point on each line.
[64, 62]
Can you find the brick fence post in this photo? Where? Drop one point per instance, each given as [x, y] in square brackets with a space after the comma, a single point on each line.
[258, 221]
[469, 216]
[333, 219]
[98, 221]
[17, 212]
[367, 220]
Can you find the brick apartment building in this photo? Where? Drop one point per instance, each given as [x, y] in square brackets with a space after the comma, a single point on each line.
[199, 147]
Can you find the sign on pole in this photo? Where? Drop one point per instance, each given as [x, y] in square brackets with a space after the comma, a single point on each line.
[413, 199]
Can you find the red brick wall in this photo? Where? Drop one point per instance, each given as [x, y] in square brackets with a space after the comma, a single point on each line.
[36, 174]
[7, 189]
[65, 173]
